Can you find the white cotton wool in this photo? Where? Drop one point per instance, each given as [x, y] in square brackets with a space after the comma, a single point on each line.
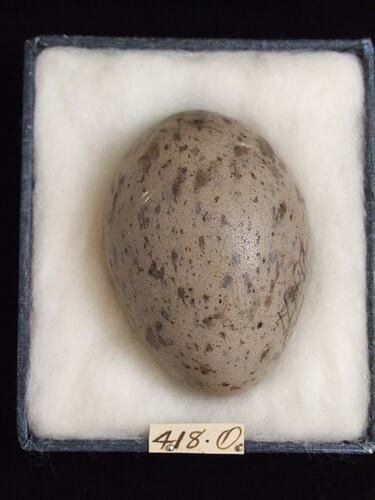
[90, 377]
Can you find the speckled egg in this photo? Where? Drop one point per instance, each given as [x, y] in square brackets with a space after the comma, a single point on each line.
[206, 237]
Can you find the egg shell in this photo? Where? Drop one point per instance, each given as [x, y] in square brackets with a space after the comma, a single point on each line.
[207, 239]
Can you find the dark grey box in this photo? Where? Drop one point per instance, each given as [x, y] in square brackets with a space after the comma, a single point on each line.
[363, 49]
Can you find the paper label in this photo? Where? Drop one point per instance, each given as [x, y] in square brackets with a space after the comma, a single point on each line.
[197, 438]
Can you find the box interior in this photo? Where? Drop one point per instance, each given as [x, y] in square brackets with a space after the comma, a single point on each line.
[89, 376]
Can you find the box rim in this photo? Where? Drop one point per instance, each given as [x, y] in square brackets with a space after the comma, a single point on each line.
[364, 50]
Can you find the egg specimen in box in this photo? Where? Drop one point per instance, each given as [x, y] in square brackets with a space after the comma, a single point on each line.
[207, 237]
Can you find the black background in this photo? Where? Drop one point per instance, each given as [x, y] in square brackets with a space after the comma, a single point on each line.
[39, 476]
